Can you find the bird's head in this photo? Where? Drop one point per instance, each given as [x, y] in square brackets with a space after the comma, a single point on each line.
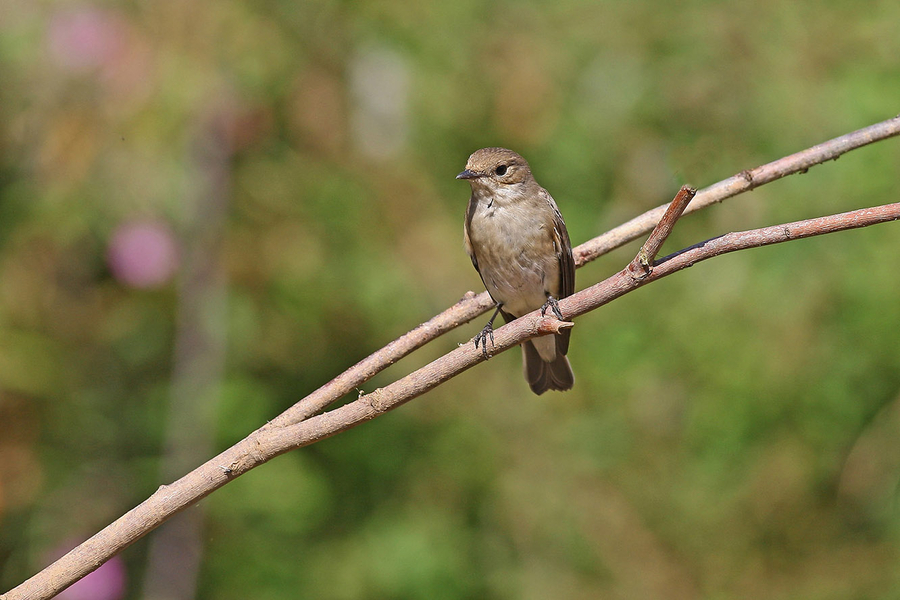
[495, 168]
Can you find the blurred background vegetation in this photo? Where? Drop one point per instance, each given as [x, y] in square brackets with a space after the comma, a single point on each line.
[209, 209]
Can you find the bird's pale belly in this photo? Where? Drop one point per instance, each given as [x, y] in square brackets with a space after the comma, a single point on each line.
[519, 264]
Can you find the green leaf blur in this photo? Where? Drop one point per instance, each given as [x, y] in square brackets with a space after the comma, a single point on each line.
[209, 209]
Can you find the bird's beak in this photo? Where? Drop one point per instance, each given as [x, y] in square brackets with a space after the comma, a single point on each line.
[467, 174]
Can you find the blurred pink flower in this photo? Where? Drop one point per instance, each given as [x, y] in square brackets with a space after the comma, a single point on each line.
[143, 254]
[106, 583]
[86, 38]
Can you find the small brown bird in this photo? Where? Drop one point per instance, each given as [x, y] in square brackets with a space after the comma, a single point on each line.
[518, 242]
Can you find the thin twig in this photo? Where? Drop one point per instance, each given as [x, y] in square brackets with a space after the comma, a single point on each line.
[745, 181]
[642, 264]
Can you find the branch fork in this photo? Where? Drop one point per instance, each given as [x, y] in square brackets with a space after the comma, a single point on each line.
[643, 263]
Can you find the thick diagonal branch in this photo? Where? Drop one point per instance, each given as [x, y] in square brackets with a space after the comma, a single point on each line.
[272, 440]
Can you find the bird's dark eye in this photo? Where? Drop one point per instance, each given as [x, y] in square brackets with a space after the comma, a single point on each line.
[501, 170]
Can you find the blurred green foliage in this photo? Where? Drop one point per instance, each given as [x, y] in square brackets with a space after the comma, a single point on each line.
[732, 431]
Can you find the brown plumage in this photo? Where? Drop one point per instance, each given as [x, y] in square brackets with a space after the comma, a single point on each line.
[517, 240]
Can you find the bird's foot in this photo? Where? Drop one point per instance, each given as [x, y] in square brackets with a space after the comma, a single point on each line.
[553, 304]
[482, 338]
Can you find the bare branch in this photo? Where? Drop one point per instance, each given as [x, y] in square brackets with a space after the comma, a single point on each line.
[296, 427]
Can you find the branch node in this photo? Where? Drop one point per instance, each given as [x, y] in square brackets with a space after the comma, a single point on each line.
[641, 266]
[376, 400]
[547, 325]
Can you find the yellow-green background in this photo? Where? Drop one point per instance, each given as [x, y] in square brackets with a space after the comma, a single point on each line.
[732, 432]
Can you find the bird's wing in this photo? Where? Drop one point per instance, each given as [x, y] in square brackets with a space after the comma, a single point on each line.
[563, 247]
[470, 211]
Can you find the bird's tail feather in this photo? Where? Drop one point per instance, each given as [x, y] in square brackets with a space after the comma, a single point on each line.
[542, 376]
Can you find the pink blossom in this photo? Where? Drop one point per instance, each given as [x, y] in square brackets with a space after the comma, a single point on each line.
[85, 38]
[143, 254]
